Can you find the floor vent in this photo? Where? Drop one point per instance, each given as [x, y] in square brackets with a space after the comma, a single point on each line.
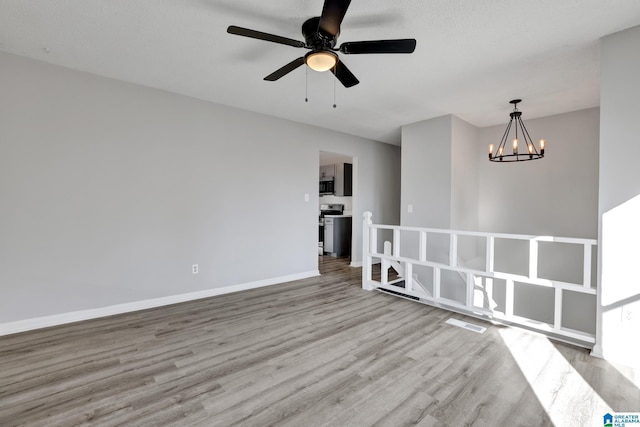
[465, 325]
[400, 284]
[399, 294]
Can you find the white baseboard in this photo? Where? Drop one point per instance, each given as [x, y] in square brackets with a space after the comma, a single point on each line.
[76, 316]
[359, 263]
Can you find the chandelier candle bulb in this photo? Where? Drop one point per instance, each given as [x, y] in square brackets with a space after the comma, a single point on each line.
[515, 146]
[542, 147]
[490, 150]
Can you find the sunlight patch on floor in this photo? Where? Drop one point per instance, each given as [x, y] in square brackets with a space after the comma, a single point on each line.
[559, 385]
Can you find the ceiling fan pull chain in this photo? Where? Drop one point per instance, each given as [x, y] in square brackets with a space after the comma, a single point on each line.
[334, 93]
[306, 84]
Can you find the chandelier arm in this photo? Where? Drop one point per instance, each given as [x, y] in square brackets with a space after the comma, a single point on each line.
[519, 122]
[503, 141]
[506, 132]
[526, 133]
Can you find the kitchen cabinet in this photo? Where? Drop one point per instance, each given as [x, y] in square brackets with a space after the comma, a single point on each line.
[344, 179]
[337, 235]
[328, 171]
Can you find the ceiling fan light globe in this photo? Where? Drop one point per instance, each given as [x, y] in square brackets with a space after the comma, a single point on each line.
[321, 61]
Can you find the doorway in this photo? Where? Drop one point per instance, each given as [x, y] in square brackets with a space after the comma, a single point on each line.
[337, 188]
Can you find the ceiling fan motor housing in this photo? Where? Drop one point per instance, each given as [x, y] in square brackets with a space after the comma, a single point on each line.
[314, 38]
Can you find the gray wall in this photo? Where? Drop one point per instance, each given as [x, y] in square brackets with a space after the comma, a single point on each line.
[440, 181]
[109, 192]
[557, 195]
[426, 173]
[619, 205]
[426, 186]
[465, 186]
[440, 174]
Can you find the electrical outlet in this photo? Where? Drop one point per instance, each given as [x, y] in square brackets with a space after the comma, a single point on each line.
[194, 269]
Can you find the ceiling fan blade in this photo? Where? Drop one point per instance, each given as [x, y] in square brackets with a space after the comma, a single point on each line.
[333, 13]
[285, 70]
[379, 46]
[343, 74]
[239, 31]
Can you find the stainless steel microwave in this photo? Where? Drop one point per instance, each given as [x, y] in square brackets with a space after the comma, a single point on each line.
[327, 185]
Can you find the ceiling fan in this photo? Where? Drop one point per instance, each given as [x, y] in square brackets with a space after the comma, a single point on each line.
[320, 35]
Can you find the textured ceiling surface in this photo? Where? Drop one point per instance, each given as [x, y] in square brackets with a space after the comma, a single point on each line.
[472, 56]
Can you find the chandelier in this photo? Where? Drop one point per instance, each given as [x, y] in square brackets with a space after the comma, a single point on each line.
[530, 151]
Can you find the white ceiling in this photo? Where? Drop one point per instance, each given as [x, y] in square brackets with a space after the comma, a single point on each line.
[472, 56]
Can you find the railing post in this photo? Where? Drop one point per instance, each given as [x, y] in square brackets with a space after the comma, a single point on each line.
[453, 249]
[373, 240]
[396, 242]
[367, 260]
[533, 259]
[488, 287]
[422, 249]
[470, 290]
[384, 265]
[586, 263]
[508, 299]
[557, 309]
[408, 276]
[436, 283]
[490, 254]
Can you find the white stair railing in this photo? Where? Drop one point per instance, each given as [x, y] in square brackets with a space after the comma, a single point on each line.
[392, 257]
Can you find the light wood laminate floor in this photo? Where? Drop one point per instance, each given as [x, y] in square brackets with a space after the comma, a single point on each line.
[319, 351]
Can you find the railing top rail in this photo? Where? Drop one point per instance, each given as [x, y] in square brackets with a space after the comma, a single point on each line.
[574, 240]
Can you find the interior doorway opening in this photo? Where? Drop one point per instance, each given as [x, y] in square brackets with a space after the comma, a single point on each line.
[336, 174]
